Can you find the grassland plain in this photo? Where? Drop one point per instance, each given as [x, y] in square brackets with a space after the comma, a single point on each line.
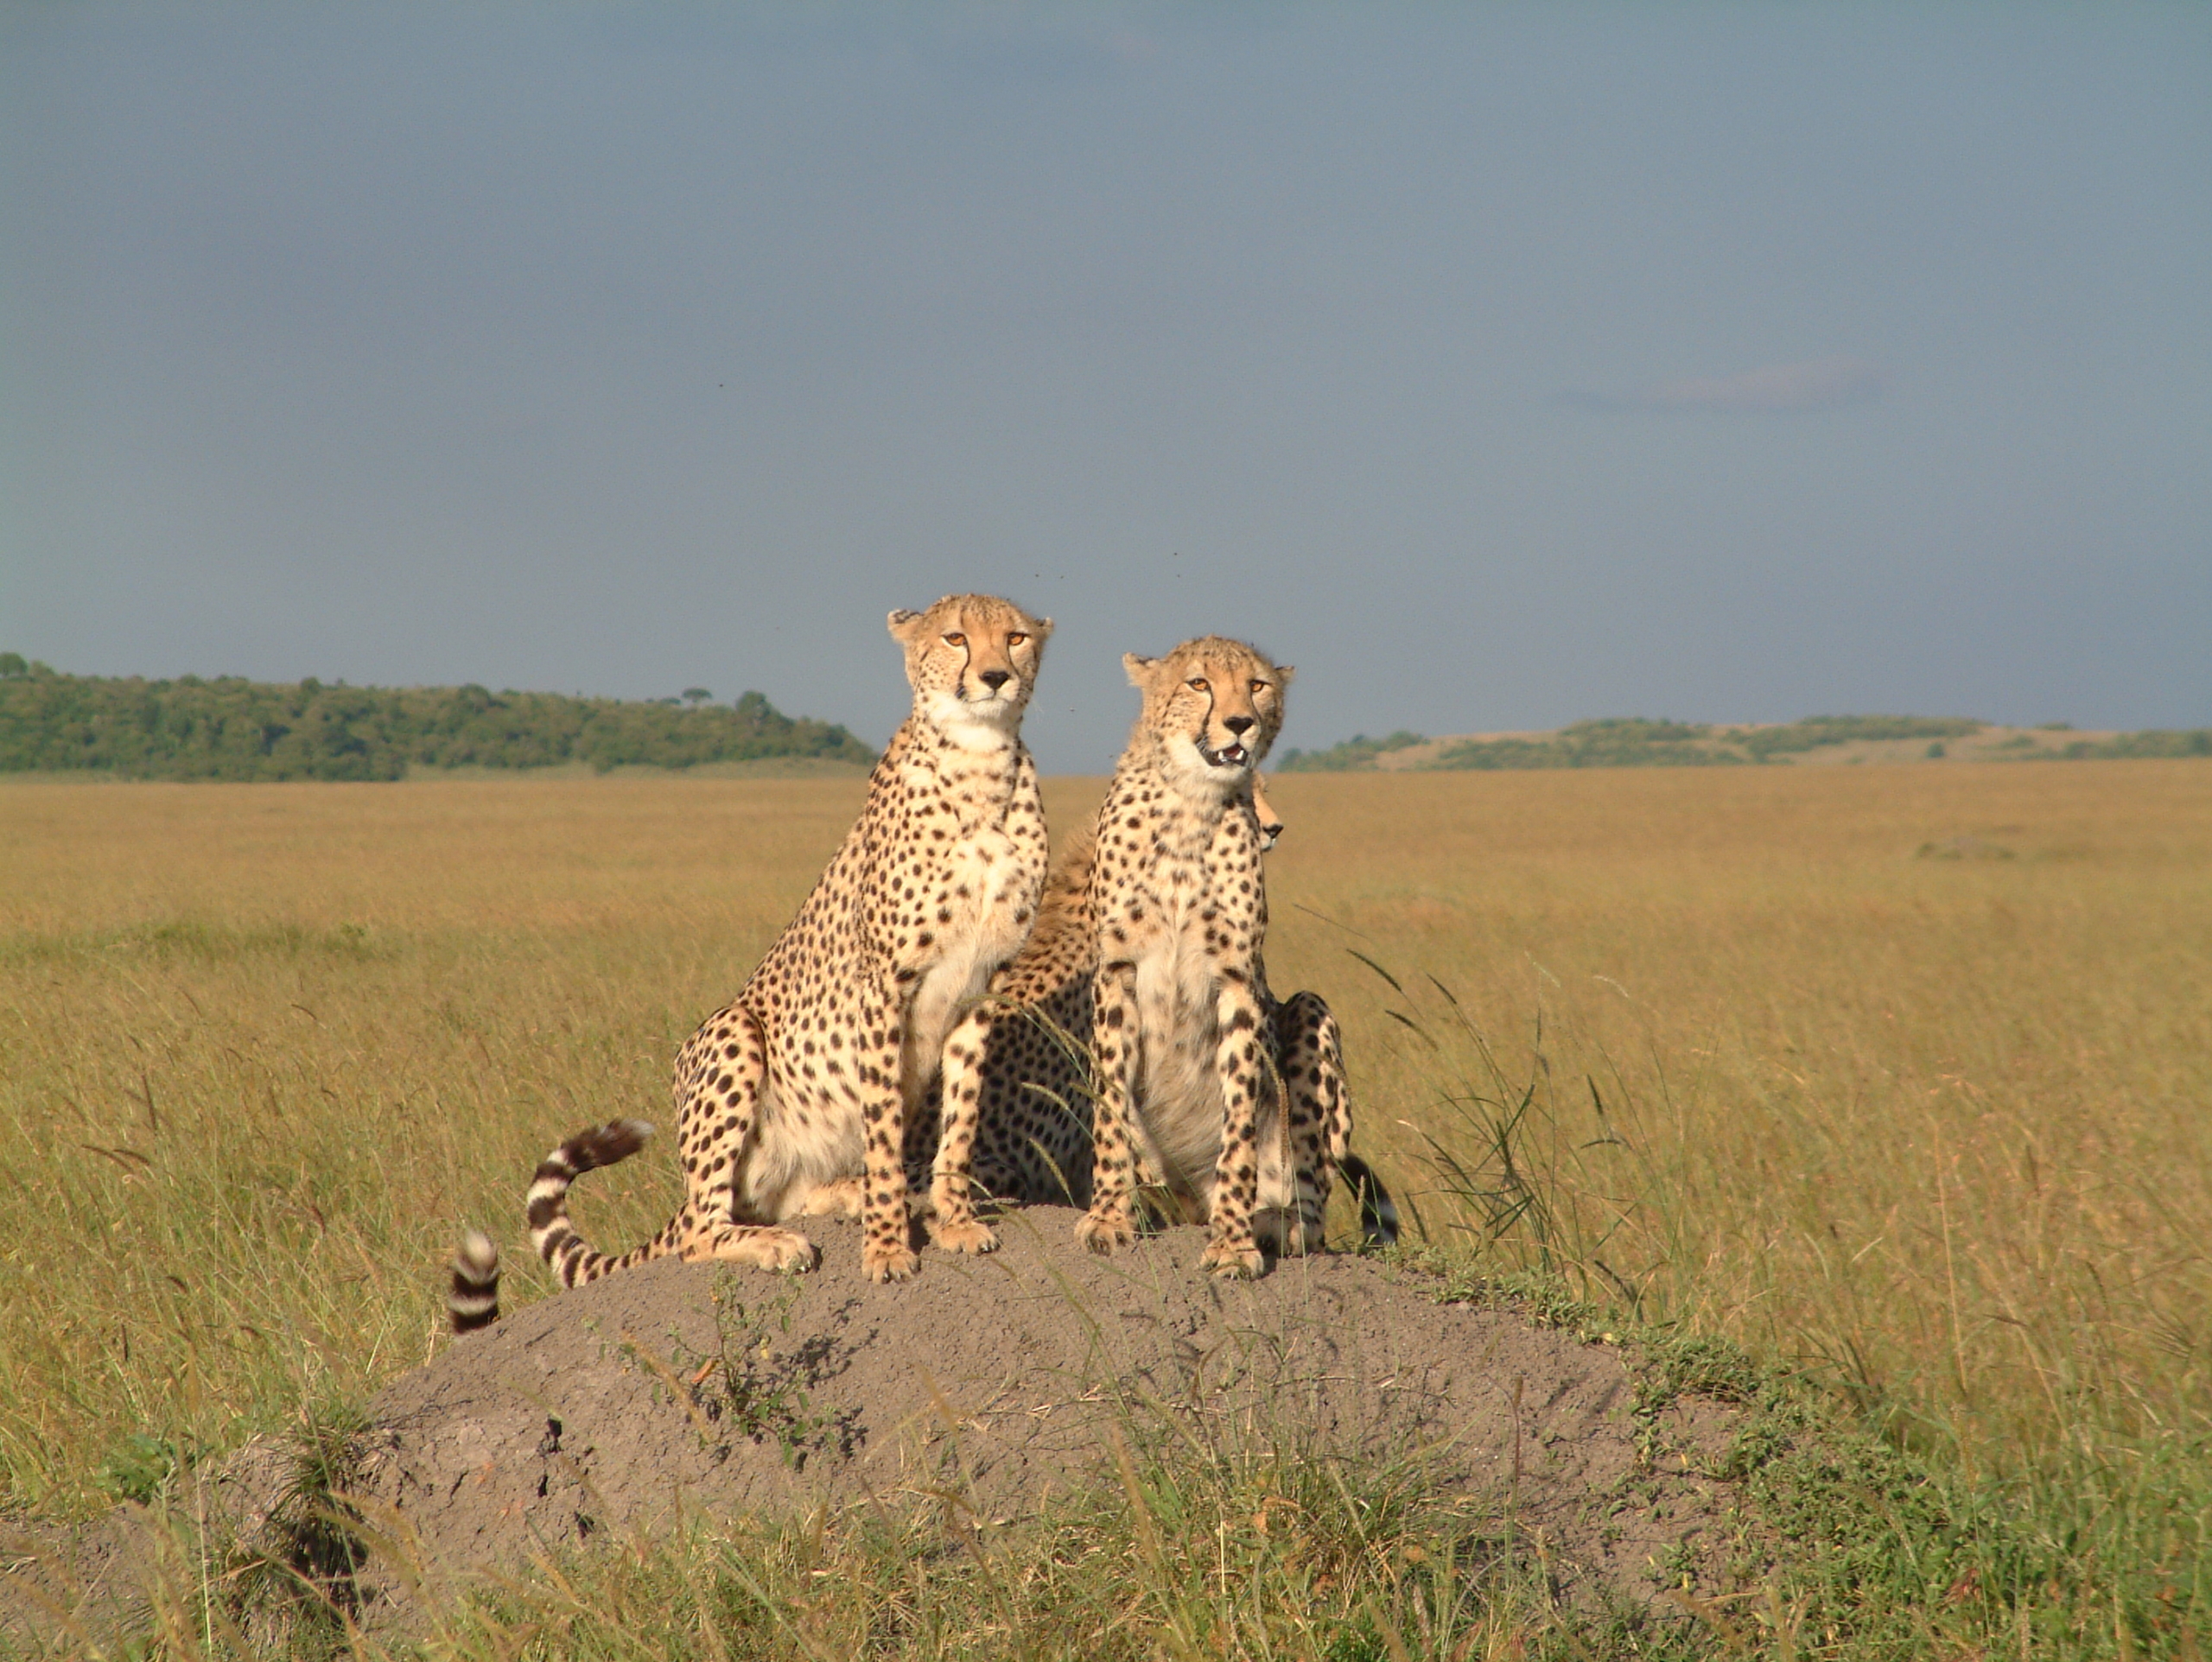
[1899, 1078]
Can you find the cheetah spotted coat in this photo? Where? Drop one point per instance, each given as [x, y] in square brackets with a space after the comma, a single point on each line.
[811, 1072]
[1134, 1040]
[1021, 1065]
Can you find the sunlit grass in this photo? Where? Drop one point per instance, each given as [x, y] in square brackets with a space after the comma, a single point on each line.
[264, 1047]
[1938, 1129]
[1943, 1125]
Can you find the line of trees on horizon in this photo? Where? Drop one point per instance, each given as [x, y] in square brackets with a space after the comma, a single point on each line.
[226, 727]
[1632, 741]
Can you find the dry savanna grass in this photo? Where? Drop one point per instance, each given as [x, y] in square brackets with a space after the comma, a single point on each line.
[1904, 1074]
[1907, 1070]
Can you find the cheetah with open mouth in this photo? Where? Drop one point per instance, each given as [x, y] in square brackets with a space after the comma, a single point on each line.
[1231, 1106]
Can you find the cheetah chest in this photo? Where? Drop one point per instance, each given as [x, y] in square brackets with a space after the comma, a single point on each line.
[978, 910]
[1178, 984]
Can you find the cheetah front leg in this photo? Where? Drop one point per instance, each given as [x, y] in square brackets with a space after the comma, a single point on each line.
[1109, 1225]
[887, 1250]
[1233, 1251]
[954, 1224]
[719, 1078]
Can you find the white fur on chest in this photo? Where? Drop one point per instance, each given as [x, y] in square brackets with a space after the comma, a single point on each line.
[982, 935]
[983, 885]
[1178, 986]
[1179, 1093]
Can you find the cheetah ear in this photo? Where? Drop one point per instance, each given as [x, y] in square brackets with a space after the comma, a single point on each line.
[1140, 670]
[1285, 674]
[1042, 628]
[902, 624]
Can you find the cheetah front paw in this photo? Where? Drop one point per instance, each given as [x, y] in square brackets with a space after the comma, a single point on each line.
[952, 1223]
[972, 1236]
[1107, 1233]
[1232, 1260]
[884, 1261]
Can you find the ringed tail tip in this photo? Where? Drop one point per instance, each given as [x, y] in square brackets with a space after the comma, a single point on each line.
[473, 1300]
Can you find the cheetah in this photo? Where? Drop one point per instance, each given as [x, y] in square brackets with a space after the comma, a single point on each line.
[809, 1075]
[1145, 961]
[1271, 829]
[1021, 1063]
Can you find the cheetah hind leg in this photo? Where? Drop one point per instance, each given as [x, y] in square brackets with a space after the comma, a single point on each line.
[1309, 1058]
[841, 1199]
[717, 1117]
[759, 1245]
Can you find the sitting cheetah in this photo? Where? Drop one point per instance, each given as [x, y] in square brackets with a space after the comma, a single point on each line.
[1155, 922]
[1021, 1063]
[809, 1074]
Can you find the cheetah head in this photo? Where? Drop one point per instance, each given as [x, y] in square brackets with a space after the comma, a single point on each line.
[1215, 705]
[1271, 826]
[972, 660]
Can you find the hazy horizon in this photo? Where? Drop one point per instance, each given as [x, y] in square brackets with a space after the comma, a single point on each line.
[1499, 369]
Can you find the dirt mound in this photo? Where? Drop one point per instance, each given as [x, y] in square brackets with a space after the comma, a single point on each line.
[988, 1384]
[998, 1380]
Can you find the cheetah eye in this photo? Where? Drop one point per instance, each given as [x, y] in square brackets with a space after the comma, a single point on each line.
[1259, 686]
[1198, 684]
[1016, 639]
[956, 640]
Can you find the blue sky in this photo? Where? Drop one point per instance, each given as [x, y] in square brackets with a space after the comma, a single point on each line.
[1499, 367]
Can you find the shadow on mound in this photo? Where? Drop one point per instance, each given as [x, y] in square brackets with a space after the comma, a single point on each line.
[988, 1386]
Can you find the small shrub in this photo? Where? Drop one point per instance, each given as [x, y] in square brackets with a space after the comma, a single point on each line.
[139, 1466]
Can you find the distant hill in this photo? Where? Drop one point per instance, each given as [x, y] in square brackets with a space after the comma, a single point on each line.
[1629, 741]
[230, 728]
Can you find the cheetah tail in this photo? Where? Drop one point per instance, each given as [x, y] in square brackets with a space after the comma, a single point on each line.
[474, 1301]
[1378, 1213]
[550, 1232]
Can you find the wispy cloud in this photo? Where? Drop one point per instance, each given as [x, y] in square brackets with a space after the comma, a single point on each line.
[1821, 384]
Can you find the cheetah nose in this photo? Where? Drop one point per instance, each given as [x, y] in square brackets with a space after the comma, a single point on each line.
[995, 679]
[1239, 725]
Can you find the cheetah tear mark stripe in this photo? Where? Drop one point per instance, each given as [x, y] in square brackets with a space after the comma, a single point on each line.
[570, 1255]
[474, 1301]
[1378, 1213]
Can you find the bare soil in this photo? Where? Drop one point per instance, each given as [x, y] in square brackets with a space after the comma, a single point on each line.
[986, 1386]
